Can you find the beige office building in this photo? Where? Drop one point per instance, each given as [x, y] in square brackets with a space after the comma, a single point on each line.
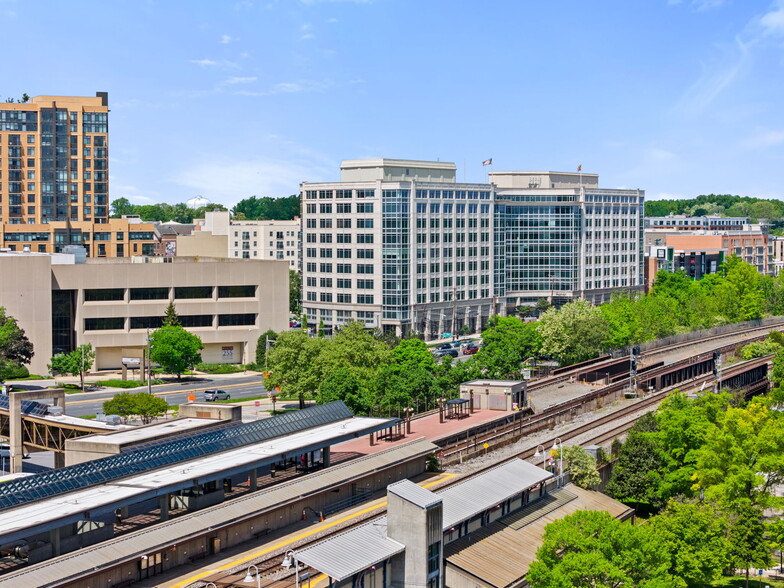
[217, 234]
[112, 303]
[54, 159]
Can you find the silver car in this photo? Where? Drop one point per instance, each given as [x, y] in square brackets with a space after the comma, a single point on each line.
[213, 395]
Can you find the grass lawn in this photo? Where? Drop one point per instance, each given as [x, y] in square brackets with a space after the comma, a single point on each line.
[740, 582]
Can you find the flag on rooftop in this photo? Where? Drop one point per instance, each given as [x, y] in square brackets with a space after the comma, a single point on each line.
[580, 167]
[488, 161]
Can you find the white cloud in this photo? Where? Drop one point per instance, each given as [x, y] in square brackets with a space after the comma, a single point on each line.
[699, 5]
[772, 22]
[764, 138]
[213, 63]
[239, 80]
[715, 79]
[226, 39]
[332, 20]
[287, 88]
[228, 181]
[307, 36]
[658, 154]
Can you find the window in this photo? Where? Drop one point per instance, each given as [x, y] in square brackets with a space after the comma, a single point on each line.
[344, 283]
[104, 294]
[196, 320]
[365, 284]
[149, 293]
[146, 322]
[364, 253]
[344, 237]
[344, 298]
[192, 292]
[364, 207]
[364, 268]
[325, 208]
[104, 324]
[344, 253]
[236, 292]
[343, 207]
[325, 268]
[365, 238]
[364, 223]
[233, 320]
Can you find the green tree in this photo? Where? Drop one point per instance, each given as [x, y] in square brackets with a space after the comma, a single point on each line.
[749, 546]
[506, 345]
[141, 404]
[695, 536]
[15, 348]
[267, 208]
[636, 475]
[120, 207]
[575, 332]
[266, 341]
[344, 385]
[292, 364]
[775, 535]
[77, 362]
[593, 549]
[295, 292]
[321, 328]
[355, 349]
[170, 317]
[581, 466]
[742, 460]
[175, 349]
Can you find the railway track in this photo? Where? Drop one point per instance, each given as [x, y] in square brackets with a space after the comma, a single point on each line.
[269, 567]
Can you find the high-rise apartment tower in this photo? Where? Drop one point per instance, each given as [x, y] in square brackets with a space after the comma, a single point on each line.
[54, 159]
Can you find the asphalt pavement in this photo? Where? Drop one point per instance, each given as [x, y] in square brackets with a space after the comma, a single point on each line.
[91, 402]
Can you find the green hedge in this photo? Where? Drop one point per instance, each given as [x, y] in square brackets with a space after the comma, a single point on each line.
[219, 368]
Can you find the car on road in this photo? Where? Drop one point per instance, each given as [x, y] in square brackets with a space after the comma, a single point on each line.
[213, 395]
[441, 351]
[470, 349]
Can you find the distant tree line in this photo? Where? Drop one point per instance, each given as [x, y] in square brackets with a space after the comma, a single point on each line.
[253, 208]
[720, 205]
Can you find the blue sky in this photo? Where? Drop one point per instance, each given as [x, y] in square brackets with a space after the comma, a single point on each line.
[238, 98]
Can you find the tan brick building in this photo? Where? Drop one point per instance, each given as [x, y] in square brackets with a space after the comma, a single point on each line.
[54, 160]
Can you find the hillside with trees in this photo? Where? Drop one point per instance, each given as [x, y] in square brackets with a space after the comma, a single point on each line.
[721, 205]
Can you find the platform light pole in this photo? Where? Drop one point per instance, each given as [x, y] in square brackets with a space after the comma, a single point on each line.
[558, 446]
[287, 561]
[543, 454]
[149, 365]
[249, 579]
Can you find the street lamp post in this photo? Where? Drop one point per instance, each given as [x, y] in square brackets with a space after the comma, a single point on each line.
[543, 454]
[149, 365]
[267, 342]
[291, 556]
[558, 446]
[249, 579]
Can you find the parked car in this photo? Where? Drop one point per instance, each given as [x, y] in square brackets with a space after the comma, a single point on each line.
[213, 395]
[5, 452]
[442, 351]
[444, 346]
[470, 349]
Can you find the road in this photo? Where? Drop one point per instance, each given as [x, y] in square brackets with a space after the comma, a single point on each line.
[89, 403]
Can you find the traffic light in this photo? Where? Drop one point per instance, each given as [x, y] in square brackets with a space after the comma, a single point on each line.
[716, 363]
[636, 350]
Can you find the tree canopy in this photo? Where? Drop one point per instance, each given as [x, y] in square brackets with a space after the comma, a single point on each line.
[162, 212]
[267, 208]
[143, 405]
[175, 349]
[75, 363]
[15, 348]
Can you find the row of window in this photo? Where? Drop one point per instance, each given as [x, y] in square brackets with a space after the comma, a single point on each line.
[340, 297]
[362, 284]
[180, 293]
[340, 253]
[155, 322]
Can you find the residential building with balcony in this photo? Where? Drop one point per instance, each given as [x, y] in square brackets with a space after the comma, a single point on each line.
[54, 160]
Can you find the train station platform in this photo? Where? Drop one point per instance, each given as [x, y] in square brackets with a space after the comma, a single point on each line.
[430, 427]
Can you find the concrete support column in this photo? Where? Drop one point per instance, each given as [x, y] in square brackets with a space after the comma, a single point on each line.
[163, 504]
[325, 456]
[15, 432]
[59, 460]
[372, 439]
[254, 480]
[54, 539]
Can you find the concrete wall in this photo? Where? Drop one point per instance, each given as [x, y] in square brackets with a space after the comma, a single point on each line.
[26, 294]
[202, 244]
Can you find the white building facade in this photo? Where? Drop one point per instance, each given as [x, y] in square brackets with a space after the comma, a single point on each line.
[402, 246]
